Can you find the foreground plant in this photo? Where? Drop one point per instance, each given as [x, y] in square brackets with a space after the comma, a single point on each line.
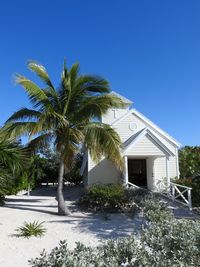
[31, 229]
[64, 117]
[169, 244]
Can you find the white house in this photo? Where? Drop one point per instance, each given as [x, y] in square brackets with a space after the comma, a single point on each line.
[150, 153]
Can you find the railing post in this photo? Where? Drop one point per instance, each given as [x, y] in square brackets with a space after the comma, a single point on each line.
[189, 199]
[173, 192]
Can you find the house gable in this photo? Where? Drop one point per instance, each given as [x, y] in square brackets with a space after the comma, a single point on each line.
[146, 143]
[134, 116]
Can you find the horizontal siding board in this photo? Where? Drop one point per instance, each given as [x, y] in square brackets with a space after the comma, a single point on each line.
[145, 146]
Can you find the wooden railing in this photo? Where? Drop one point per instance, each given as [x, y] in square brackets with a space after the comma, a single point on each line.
[132, 185]
[176, 192]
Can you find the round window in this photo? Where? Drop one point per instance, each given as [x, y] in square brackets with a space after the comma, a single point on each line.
[132, 126]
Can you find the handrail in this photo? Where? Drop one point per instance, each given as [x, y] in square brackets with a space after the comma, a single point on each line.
[134, 185]
[180, 185]
[172, 191]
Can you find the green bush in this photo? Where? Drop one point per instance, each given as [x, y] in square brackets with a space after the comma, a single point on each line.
[156, 211]
[109, 198]
[195, 190]
[31, 229]
[74, 177]
[172, 243]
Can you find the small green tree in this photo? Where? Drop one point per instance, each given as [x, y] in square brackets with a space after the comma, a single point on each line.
[189, 161]
[12, 159]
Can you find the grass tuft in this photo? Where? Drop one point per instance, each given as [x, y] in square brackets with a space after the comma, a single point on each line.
[31, 229]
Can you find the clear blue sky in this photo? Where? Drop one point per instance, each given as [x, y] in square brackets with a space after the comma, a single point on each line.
[148, 50]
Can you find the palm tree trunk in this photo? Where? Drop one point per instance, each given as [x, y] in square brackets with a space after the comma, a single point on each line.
[62, 208]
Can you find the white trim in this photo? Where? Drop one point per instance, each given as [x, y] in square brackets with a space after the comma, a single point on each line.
[147, 121]
[167, 172]
[126, 170]
[177, 163]
[147, 131]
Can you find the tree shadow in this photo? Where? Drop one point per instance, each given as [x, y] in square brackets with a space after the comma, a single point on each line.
[30, 208]
[28, 200]
[71, 193]
[117, 225]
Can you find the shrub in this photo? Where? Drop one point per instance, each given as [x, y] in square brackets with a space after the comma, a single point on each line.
[156, 211]
[173, 243]
[74, 177]
[110, 198]
[31, 229]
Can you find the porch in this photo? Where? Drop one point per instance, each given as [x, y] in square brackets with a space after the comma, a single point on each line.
[144, 171]
[140, 172]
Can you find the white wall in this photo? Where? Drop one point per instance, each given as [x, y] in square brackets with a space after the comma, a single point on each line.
[104, 172]
[112, 115]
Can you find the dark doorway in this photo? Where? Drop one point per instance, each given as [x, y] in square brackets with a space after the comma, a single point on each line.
[137, 172]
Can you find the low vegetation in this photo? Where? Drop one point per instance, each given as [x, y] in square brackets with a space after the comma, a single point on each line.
[31, 229]
[164, 241]
[107, 198]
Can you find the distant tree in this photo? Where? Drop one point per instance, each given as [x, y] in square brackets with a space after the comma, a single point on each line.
[189, 161]
[64, 116]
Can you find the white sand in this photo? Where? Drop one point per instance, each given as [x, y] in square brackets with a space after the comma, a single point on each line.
[41, 205]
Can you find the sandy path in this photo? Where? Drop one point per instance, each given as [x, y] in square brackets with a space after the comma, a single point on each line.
[41, 205]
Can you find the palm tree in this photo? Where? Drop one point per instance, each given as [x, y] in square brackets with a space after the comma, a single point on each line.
[67, 116]
[12, 158]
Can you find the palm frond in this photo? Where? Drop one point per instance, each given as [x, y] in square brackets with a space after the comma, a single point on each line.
[17, 129]
[102, 139]
[42, 140]
[12, 154]
[96, 106]
[36, 95]
[92, 84]
[40, 71]
[23, 114]
[73, 74]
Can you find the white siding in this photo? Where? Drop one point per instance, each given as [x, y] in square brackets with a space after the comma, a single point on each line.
[103, 172]
[173, 172]
[144, 147]
[160, 168]
[150, 173]
[123, 129]
[165, 141]
[112, 115]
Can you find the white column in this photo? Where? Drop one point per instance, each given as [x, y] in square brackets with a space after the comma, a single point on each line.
[126, 170]
[167, 172]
